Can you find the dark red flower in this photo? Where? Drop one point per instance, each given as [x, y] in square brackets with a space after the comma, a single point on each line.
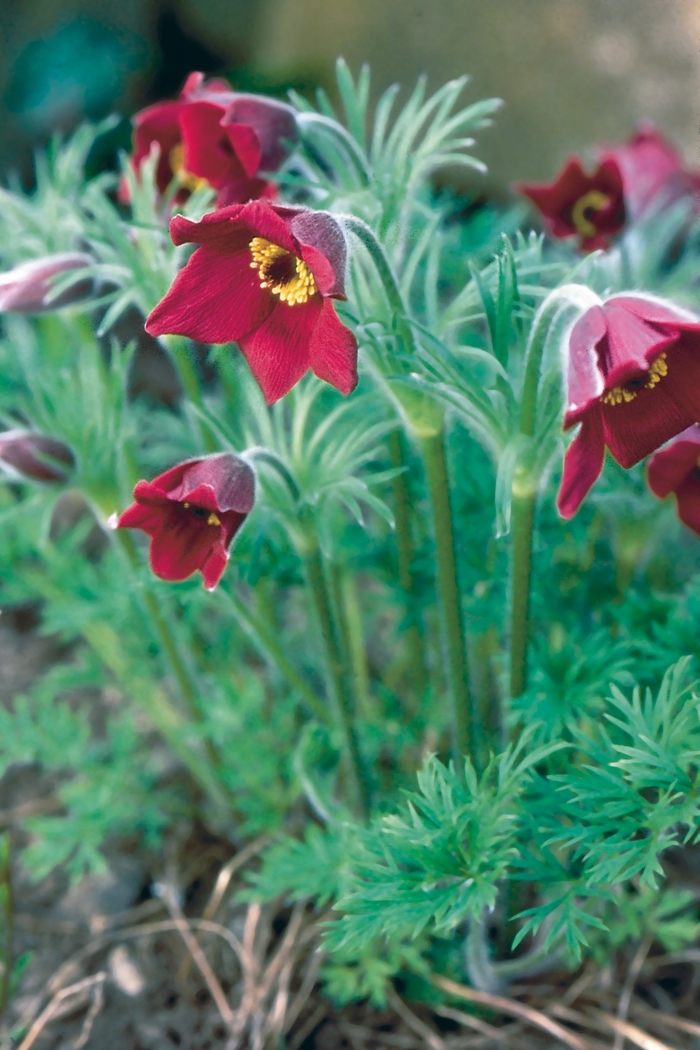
[27, 287]
[35, 456]
[192, 512]
[215, 136]
[591, 207]
[633, 383]
[264, 277]
[675, 469]
[653, 172]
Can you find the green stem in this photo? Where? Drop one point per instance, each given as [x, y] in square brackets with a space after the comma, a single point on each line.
[179, 349]
[357, 780]
[371, 242]
[352, 617]
[266, 641]
[415, 639]
[525, 486]
[433, 449]
[8, 921]
[522, 523]
[169, 646]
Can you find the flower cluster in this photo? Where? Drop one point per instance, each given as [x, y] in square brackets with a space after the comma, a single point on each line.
[630, 180]
[216, 137]
[633, 384]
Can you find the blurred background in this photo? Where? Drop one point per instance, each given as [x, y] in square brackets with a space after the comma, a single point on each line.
[571, 72]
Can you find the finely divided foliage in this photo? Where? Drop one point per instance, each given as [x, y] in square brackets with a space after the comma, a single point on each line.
[448, 707]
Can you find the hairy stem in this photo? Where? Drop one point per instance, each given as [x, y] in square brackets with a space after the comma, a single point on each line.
[357, 779]
[179, 349]
[433, 449]
[266, 640]
[415, 638]
[169, 646]
[522, 529]
[7, 909]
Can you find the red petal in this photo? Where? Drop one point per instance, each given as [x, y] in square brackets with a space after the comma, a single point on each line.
[246, 146]
[670, 466]
[228, 228]
[229, 479]
[636, 428]
[215, 298]
[278, 351]
[646, 162]
[182, 545]
[583, 464]
[213, 568]
[333, 351]
[142, 516]
[273, 122]
[688, 496]
[323, 248]
[203, 141]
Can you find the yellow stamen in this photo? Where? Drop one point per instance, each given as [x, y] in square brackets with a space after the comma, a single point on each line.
[186, 179]
[284, 274]
[186, 506]
[657, 370]
[213, 520]
[594, 200]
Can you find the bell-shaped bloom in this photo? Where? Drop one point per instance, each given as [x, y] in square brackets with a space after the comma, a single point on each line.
[27, 288]
[633, 383]
[590, 207]
[214, 136]
[35, 456]
[653, 172]
[675, 469]
[264, 277]
[192, 512]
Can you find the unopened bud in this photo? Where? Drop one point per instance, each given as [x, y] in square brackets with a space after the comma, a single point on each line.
[27, 288]
[35, 456]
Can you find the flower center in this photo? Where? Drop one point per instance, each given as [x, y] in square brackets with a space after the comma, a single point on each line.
[202, 513]
[185, 178]
[657, 370]
[584, 209]
[283, 273]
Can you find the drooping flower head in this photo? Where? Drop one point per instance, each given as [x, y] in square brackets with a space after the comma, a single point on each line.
[653, 172]
[192, 512]
[676, 469]
[633, 383]
[590, 207]
[214, 136]
[265, 276]
[27, 288]
[35, 456]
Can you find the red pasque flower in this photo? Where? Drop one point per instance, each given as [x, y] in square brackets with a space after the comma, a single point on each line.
[591, 207]
[215, 136]
[653, 171]
[27, 288]
[192, 512]
[633, 383]
[35, 456]
[264, 276]
[675, 469]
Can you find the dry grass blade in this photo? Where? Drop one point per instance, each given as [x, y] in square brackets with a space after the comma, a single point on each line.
[474, 1023]
[634, 1034]
[224, 877]
[98, 995]
[307, 986]
[626, 996]
[167, 894]
[419, 1027]
[514, 1009]
[666, 1020]
[53, 1008]
[307, 1028]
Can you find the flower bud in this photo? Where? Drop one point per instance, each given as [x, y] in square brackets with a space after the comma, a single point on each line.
[27, 288]
[35, 456]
